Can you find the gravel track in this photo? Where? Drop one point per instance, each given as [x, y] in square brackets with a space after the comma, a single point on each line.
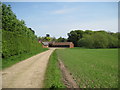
[28, 73]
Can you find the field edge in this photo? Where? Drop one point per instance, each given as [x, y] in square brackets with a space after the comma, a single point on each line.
[53, 75]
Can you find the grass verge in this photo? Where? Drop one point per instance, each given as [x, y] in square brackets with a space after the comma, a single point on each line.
[15, 59]
[53, 76]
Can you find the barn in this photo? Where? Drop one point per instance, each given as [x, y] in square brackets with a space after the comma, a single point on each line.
[63, 44]
[58, 44]
[45, 44]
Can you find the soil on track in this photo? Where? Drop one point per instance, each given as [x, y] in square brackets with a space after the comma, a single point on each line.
[28, 73]
[67, 77]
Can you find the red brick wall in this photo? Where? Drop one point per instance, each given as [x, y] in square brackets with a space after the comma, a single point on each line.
[71, 45]
[44, 46]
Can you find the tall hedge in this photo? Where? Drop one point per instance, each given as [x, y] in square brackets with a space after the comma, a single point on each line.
[16, 37]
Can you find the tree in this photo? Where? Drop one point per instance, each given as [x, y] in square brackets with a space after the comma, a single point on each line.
[86, 41]
[112, 41]
[47, 35]
[74, 36]
[53, 39]
[60, 39]
[94, 39]
[47, 38]
[100, 40]
[31, 29]
[89, 32]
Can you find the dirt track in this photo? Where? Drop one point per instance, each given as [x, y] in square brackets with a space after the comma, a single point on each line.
[28, 73]
[67, 77]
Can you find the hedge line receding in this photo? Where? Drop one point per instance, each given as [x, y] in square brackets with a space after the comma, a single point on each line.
[17, 39]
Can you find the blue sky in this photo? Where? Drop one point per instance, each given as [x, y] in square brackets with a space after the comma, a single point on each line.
[59, 18]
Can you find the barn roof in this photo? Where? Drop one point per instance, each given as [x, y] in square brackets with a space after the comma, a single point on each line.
[61, 43]
[45, 43]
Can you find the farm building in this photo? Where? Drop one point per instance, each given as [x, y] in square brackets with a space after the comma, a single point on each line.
[63, 44]
[45, 44]
[58, 44]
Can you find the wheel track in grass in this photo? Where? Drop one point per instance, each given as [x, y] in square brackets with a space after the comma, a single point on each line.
[67, 77]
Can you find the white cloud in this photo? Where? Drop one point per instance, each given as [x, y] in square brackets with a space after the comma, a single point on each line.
[64, 11]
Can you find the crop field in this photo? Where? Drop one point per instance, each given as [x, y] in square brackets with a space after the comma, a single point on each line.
[92, 68]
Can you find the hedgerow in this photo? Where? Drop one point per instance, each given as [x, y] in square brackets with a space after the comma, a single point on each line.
[17, 38]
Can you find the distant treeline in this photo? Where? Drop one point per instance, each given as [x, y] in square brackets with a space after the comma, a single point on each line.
[89, 39]
[16, 37]
[94, 39]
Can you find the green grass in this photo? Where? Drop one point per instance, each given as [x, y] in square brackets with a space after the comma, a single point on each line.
[17, 58]
[53, 77]
[92, 68]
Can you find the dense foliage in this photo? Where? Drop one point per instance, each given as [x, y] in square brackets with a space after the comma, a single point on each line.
[60, 39]
[94, 39]
[16, 37]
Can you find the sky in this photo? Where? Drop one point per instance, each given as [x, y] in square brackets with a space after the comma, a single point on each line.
[60, 0]
[59, 18]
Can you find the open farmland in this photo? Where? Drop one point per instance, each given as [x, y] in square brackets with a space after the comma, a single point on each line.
[92, 68]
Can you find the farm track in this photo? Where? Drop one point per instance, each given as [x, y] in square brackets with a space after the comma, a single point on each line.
[28, 73]
[68, 80]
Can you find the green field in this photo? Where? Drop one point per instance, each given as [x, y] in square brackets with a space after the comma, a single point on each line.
[92, 68]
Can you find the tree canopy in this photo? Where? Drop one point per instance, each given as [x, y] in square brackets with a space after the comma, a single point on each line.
[94, 39]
